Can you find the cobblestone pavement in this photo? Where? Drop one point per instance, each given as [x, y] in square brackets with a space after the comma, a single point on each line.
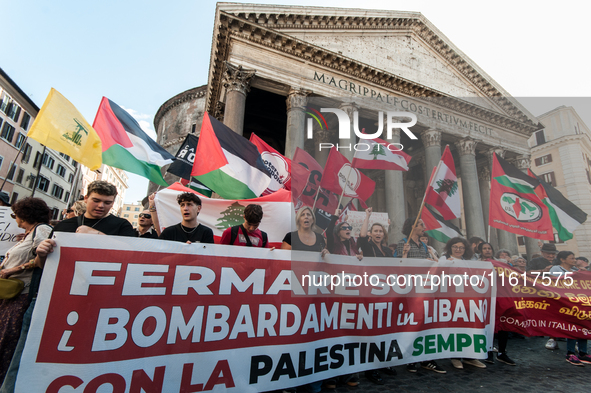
[538, 370]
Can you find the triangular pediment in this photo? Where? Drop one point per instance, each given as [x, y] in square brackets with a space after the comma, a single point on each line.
[383, 45]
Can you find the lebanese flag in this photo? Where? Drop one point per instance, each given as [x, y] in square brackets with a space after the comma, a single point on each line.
[219, 214]
[443, 193]
[306, 175]
[514, 205]
[338, 171]
[126, 146]
[381, 155]
[228, 163]
[278, 166]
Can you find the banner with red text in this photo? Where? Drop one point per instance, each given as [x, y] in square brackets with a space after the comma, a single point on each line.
[542, 304]
[135, 315]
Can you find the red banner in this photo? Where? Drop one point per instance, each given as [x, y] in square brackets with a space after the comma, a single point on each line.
[542, 304]
[174, 317]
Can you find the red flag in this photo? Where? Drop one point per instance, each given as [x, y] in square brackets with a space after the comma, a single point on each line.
[338, 171]
[443, 193]
[306, 176]
[514, 205]
[381, 155]
[279, 166]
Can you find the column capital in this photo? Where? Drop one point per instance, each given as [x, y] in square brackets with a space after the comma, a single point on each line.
[219, 110]
[522, 162]
[466, 146]
[237, 79]
[297, 99]
[431, 137]
[484, 174]
[349, 108]
[499, 150]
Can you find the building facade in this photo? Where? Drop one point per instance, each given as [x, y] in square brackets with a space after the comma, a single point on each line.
[270, 65]
[131, 212]
[561, 156]
[38, 171]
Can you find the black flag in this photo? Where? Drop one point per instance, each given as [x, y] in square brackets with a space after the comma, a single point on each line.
[183, 165]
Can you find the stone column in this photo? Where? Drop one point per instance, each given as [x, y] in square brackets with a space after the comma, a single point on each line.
[507, 240]
[380, 193]
[484, 183]
[531, 245]
[237, 84]
[394, 190]
[432, 142]
[470, 189]
[296, 102]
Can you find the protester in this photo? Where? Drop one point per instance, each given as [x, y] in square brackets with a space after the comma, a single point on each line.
[475, 241]
[4, 200]
[504, 255]
[189, 230]
[543, 263]
[414, 248]
[144, 226]
[425, 239]
[458, 248]
[374, 244]
[305, 239]
[567, 263]
[339, 240]
[32, 215]
[582, 263]
[486, 252]
[518, 262]
[99, 199]
[247, 234]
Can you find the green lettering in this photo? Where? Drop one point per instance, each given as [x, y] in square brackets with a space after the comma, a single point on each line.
[443, 345]
[430, 344]
[480, 343]
[464, 341]
[418, 346]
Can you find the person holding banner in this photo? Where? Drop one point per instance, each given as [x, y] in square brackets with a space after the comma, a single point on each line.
[32, 215]
[567, 262]
[459, 248]
[487, 252]
[189, 230]
[305, 239]
[247, 234]
[374, 245]
[339, 238]
[410, 246]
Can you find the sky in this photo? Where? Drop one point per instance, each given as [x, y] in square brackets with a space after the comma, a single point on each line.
[141, 53]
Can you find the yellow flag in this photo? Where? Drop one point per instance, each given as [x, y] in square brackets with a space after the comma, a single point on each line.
[61, 127]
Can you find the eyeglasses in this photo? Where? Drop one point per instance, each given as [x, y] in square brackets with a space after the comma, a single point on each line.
[13, 216]
[458, 247]
[146, 215]
[69, 211]
[346, 228]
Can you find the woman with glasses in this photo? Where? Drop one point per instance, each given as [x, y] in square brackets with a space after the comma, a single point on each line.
[458, 248]
[339, 240]
[32, 215]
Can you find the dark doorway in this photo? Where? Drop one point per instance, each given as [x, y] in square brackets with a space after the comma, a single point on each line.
[266, 116]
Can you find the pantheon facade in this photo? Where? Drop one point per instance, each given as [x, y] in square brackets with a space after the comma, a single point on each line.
[269, 65]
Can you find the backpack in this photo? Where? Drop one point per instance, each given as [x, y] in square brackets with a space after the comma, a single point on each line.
[234, 234]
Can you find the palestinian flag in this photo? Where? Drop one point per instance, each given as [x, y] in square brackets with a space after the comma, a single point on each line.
[514, 205]
[381, 155]
[228, 163]
[126, 146]
[183, 165]
[564, 214]
[443, 193]
[438, 228]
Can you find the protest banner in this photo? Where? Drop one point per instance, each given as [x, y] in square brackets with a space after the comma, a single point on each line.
[220, 214]
[541, 304]
[356, 220]
[173, 317]
[8, 231]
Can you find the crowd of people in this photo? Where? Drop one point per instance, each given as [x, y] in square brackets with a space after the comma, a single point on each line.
[25, 261]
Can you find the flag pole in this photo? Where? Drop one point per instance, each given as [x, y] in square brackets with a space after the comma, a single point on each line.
[344, 188]
[423, 202]
[488, 235]
[316, 198]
